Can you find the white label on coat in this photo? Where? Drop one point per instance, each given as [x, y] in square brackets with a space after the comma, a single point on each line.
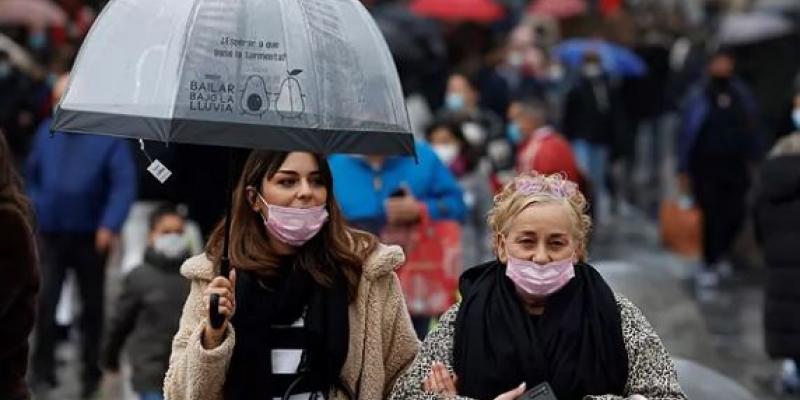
[286, 361]
[159, 171]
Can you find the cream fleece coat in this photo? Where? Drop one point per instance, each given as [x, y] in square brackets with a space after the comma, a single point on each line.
[382, 339]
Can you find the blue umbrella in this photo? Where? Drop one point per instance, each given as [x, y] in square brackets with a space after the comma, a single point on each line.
[617, 60]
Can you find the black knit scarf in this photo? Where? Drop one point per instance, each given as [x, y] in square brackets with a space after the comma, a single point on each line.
[282, 301]
[576, 345]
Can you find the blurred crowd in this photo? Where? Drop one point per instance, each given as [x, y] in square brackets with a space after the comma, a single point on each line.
[637, 102]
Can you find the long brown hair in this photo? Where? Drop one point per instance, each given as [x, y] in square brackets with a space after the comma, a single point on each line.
[11, 183]
[336, 249]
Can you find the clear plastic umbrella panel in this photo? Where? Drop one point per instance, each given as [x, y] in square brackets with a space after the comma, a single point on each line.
[313, 75]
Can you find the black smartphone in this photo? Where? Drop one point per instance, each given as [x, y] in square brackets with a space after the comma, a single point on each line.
[542, 391]
[399, 192]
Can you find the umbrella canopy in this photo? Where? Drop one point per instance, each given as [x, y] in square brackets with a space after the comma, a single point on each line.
[557, 8]
[617, 60]
[35, 14]
[742, 29]
[311, 75]
[483, 11]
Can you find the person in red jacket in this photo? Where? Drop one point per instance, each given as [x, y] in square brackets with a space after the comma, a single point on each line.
[541, 148]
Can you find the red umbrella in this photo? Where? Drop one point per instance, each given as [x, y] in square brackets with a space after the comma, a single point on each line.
[608, 7]
[34, 14]
[459, 10]
[557, 8]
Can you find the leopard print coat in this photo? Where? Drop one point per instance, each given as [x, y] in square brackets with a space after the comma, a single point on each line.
[652, 373]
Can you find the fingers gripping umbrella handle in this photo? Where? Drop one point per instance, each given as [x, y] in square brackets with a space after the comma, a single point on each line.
[215, 318]
[214, 315]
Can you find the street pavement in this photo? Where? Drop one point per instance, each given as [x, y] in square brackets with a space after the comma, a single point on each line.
[719, 330]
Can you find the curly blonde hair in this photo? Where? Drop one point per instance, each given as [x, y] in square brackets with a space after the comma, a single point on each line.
[528, 189]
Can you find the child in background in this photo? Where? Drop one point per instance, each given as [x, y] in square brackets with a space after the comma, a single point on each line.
[149, 308]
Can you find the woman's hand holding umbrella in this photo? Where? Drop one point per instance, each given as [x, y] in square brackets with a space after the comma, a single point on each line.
[226, 289]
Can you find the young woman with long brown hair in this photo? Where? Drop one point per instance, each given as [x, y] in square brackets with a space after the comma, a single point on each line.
[19, 278]
[312, 307]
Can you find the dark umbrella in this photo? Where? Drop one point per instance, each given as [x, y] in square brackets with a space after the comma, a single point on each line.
[416, 44]
[288, 75]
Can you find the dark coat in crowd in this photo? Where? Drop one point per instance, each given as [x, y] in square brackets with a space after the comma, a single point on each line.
[593, 112]
[778, 229]
[19, 283]
[719, 139]
[146, 319]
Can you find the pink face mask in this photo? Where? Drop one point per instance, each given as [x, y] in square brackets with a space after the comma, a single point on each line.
[294, 226]
[537, 279]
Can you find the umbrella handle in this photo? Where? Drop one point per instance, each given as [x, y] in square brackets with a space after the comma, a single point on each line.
[215, 318]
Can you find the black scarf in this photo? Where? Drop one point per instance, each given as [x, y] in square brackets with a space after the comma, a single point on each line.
[576, 345]
[281, 301]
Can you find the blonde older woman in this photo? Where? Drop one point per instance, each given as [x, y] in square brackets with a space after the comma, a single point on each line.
[539, 314]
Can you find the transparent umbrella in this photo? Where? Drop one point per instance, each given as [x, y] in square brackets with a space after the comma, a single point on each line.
[311, 75]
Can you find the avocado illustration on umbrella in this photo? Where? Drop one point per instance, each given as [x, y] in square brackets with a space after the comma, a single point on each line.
[291, 102]
[255, 98]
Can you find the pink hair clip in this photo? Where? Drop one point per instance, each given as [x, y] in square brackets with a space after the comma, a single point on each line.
[560, 188]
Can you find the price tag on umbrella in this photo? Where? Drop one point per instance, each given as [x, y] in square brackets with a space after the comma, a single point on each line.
[159, 171]
[156, 168]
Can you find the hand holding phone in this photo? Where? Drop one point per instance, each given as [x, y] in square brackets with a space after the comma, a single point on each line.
[399, 192]
[542, 391]
[401, 207]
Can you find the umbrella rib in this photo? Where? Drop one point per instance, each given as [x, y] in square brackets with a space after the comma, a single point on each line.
[190, 24]
[376, 32]
[318, 84]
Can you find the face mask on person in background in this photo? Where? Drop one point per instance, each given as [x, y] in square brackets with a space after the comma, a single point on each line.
[539, 280]
[515, 59]
[37, 41]
[52, 78]
[514, 132]
[455, 102]
[5, 70]
[796, 117]
[446, 152]
[592, 70]
[171, 245]
[294, 226]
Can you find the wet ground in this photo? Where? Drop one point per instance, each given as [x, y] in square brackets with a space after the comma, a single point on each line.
[720, 329]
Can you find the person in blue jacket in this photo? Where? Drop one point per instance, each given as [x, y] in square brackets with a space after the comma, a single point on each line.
[369, 188]
[376, 191]
[82, 187]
